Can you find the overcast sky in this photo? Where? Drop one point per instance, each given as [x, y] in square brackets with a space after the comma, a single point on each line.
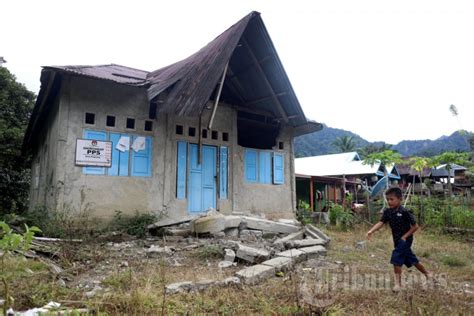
[386, 70]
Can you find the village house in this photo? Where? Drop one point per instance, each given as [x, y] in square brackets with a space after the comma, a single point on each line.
[214, 130]
[324, 178]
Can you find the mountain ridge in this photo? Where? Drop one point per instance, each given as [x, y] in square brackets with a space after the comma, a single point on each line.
[321, 143]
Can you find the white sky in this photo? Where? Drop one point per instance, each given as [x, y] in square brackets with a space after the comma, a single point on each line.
[386, 70]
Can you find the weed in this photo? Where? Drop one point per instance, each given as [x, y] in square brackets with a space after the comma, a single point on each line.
[135, 225]
[208, 252]
[453, 261]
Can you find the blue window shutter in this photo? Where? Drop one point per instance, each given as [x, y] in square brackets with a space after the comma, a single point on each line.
[141, 160]
[278, 169]
[119, 159]
[223, 173]
[181, 170]
[251, 165]
[97, 136]
[265, 167]
[124, 159]
[114, 169]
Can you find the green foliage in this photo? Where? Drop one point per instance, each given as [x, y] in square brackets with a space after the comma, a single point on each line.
[135, 225]
[345, 143]
[436, 212]
[453, 261]
[303, 213]
[386, 157]
[16, 104]
[63, 223]
[209, 251]
[9, 243]
[340, 217]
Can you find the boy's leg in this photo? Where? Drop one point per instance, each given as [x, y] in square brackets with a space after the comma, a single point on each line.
[423, 270]
[398, 277]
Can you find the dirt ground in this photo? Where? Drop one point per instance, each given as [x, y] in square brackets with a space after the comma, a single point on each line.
[116, 275]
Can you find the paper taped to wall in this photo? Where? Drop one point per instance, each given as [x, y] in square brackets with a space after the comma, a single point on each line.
[123, 144]
[138, 144]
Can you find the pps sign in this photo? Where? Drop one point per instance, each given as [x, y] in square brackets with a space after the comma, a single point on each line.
[91, 152]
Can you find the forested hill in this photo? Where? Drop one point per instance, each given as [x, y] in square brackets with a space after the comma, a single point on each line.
[321, 143]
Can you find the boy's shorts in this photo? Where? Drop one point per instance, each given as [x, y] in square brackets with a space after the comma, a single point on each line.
[403, 255]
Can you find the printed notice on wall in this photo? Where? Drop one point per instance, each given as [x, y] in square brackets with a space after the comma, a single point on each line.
[91, 152]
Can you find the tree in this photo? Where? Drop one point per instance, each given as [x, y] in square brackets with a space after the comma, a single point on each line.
[385, 158]
[450, 158]
[345, 143]
[372, 148]
[16, 104]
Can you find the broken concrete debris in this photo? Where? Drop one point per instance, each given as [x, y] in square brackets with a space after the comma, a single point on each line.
[252, 255]
[315, 232]
[294, 244]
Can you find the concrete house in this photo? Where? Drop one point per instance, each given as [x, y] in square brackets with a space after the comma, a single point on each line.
[213, 130]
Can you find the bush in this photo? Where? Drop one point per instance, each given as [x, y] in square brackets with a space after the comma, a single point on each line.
[64, 223]
[340, 217]
[135, 225]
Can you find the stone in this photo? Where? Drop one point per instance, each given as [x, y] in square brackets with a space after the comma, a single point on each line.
[361, 245]
[93, 292]
[231, 232]
[289, 221]
[314, 251]
[202, 285]
[255, 273]
[294, 254]
[304, 243]
[157, 250]
[292, 236]
[182, 232]
[267, 225]
[279, 263]
[229, 281]
[229, 255]
[226, 264]
[218, 235]
[167, 221]
[315, 232]
[252, 255]
[232, 221]
[209, 224]
[250, 235]
[178, 287]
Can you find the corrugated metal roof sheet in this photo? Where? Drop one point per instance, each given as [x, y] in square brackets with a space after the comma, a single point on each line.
[334, 165]
[112, 72]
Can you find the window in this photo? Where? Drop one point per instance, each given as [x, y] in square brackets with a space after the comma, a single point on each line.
[264, 167]
[130, 123]
[204, 133]
[192, 132]
[214, 135]
[148, 126]
[131, 154]
[90, 118]
[225, 137]
[110, 121]
[281, 145]
[179, 129]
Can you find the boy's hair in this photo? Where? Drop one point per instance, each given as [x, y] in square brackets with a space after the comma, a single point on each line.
[394, 191]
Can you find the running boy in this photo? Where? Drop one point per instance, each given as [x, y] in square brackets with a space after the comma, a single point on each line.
[403, 225]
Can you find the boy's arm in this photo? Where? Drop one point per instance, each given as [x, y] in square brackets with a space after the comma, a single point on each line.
[412, 229]
[374, 229]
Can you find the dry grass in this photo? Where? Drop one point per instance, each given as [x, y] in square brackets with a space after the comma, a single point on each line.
[138, 289]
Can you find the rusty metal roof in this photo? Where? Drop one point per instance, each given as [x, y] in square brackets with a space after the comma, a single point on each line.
[112, 72]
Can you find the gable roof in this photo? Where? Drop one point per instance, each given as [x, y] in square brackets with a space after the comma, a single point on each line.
[441, 171]
[255, 80]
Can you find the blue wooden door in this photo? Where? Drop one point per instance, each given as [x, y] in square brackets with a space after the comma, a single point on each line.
[202, 186]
